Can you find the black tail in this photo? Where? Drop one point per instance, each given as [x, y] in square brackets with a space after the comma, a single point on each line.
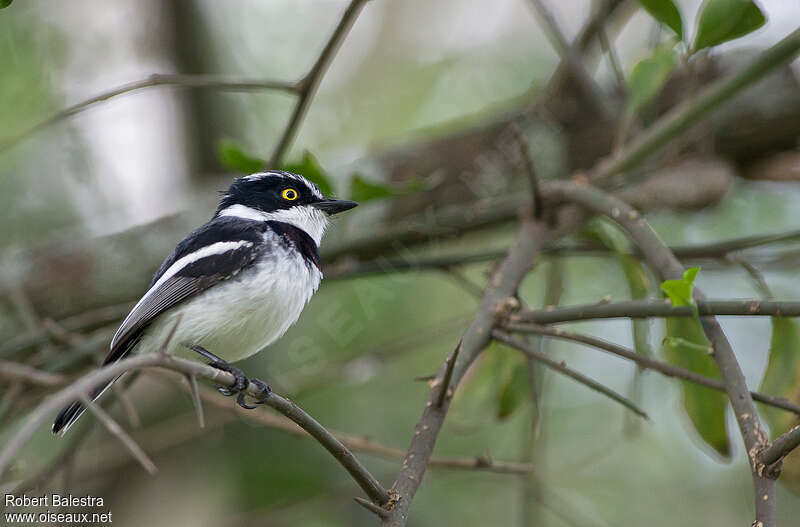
[71, 413]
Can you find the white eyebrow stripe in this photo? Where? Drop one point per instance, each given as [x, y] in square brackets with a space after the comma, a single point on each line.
[243, 211]
[181, 263]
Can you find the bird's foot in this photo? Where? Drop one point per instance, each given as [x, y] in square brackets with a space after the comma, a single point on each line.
[239, 387]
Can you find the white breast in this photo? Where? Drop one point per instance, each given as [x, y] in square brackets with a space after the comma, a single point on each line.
[242, 315]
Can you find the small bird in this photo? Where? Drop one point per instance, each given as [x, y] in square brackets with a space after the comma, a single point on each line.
[235, 285]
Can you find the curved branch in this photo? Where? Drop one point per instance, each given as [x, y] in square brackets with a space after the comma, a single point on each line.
[156, 79]
[664, 262]
[79, 388]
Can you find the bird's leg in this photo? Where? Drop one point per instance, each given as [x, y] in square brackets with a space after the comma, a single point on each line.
[240, 385]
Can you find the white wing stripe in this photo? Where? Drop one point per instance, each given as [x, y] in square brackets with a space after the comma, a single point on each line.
[175, 268]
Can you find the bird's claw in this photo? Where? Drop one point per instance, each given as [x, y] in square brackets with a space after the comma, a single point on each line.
[239, 387]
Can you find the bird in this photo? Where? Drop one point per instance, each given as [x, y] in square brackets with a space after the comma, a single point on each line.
[234, 285]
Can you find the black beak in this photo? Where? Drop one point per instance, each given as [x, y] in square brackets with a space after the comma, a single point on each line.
[334, 206]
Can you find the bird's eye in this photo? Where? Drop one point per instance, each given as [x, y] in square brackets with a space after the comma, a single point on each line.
[289, 194]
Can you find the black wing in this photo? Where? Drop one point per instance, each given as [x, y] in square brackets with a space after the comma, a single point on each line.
[213, 253]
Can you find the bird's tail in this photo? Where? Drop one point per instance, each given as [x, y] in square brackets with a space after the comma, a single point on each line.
[67, 417]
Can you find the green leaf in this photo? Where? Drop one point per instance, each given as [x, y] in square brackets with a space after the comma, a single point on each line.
[233, 157]
[309, 167]
[680, 291]
[724, 20]
[686, 346]
[362, 189]
[5, 3]
[782, 377]
[514, 393]
[665, 12]
[649, 76]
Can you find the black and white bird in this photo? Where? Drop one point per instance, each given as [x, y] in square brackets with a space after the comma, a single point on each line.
[236, 284]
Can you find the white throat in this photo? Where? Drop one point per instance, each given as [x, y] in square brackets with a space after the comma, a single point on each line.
[305, 217]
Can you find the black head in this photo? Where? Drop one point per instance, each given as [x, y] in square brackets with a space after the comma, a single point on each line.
[275, 191]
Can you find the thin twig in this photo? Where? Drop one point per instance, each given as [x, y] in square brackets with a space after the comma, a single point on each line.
[121, 393]
[197, 403]
[569, 372]
[117, 431]
[308, 85]
[17, 372]
[646, 363]
[568, 55]
[154, 80]
[371, 507]
[530, 172]
[659, 309]
[781, 447]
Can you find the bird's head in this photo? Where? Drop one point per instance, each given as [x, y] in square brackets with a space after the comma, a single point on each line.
[282, 196]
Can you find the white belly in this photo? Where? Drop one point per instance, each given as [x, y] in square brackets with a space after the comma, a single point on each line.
[238, 317]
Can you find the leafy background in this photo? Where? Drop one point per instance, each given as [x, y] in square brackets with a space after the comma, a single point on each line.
[409, 71]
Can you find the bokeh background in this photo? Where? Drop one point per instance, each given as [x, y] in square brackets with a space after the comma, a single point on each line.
[93, 203]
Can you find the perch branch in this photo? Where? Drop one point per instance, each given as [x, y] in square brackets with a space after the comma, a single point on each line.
[80, 387]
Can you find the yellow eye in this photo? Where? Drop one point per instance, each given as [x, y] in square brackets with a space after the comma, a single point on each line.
[289, 194]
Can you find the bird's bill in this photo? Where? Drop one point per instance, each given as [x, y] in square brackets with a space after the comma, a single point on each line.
[334, 206]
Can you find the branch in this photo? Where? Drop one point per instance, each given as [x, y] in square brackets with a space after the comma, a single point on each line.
[308, 85]
[646, 362]
[502, 284]
[664, 262]
[683, 116]
[14, 371]
[781, 447]
[569, 372]
[659, 309]
[570, 58]
[79, 388]
[154, 80]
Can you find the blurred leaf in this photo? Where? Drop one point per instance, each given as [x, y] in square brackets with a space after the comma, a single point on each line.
[686, 346]
[515, 392]
[362, 190]
[649, 76]
[309, 167]
[724, 20]
[665, 12]
[782, 377]
[5, 3]
[680, 291]
[233, 157]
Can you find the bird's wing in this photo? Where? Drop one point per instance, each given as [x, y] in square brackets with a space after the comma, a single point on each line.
[213, 253]
[208, 256]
